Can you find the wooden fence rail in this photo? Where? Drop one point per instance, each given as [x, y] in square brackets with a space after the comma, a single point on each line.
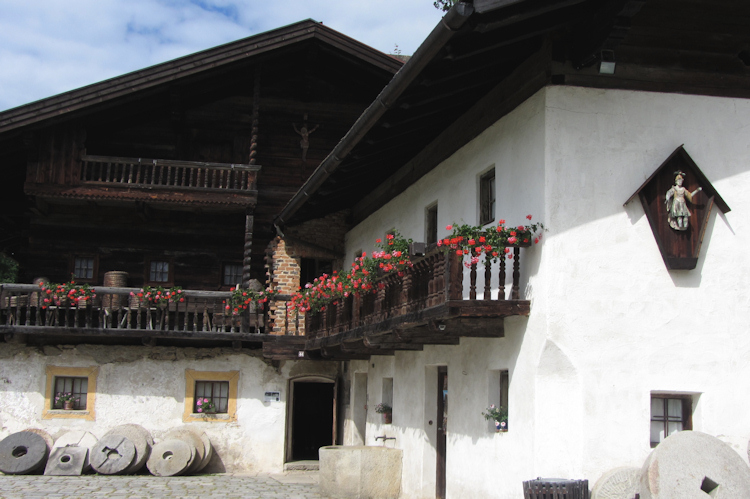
[116, 308]
[153, 173]
[434, 279]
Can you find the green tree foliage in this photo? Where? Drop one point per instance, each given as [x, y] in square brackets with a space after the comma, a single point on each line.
[444, 5]
[8, 268]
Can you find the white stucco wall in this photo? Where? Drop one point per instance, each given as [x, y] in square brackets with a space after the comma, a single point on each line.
[146, 386]
[627, 324]
[609, 324]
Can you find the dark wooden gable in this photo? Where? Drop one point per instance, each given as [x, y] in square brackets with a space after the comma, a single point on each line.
[231, 109]
[679, 249]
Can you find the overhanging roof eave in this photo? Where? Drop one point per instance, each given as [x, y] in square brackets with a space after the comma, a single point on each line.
[181, 67]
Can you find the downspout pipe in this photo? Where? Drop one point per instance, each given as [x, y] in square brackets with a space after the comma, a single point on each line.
[453, 21]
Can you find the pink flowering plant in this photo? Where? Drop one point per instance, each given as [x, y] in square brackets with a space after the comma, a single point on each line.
[497, 414]
[495, 242]
[392, 256]
[62, 397]
[242, 298]
[159, 296]
[205, 405]
[68, 293]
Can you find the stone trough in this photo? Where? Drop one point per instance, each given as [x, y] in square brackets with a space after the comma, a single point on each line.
[357, 472]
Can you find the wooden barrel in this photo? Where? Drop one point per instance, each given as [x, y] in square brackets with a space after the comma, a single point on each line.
[114, 279]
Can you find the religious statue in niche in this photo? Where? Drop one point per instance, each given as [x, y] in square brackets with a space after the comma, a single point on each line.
[304, 132]
[678, 214]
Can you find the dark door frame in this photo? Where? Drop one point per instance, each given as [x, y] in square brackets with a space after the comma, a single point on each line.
[288, 449]
[442, 430]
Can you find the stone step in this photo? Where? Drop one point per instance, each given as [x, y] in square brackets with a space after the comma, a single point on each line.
[310, 465]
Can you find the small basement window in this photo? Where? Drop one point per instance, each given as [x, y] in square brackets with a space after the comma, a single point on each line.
[71, 388]
[670, 414]
[214, 392]
[79, 383]
[499, 387]
[220, 387]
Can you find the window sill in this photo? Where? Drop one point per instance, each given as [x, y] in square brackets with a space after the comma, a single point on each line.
[218, 416]
[71, 414]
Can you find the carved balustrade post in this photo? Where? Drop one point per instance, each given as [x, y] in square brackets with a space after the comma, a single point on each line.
[339, 317]
[407, 282]
[487, 277]
[455, 274]
[473, 282]
[437, 279]
[356, 309]
[501, 279]
[379, 311]
[515, 292]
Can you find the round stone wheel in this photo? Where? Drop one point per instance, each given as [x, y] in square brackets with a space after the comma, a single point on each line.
[193, 439]
[170, 458]
[112, 455]
[78, 438]
[23, 453]
[141, 439]
[618, 483]
[691, 464]
[208, 452]
[46, 436]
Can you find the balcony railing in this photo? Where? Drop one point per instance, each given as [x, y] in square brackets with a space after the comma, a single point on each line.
[170, 174]
[435, 289]
[201, 314]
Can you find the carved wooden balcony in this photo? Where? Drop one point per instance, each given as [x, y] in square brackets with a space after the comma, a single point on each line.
[115, 314]
[156, 180]
[435, 302]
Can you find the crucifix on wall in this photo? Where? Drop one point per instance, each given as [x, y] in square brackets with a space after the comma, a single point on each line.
[304, 132]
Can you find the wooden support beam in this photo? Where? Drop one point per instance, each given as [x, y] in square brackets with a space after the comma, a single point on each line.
[379, 342]
[248, 250]
[332, 354]
[256, 114]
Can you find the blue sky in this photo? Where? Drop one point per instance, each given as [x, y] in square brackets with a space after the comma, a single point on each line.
[51, 46]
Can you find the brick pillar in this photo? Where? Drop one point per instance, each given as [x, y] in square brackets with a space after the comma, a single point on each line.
[283, 270]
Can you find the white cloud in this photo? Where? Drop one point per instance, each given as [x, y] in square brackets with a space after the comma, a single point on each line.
[51, 46]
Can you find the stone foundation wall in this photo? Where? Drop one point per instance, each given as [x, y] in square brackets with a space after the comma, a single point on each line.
[147, 386]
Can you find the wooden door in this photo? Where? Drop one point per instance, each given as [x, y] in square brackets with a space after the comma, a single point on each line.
[442, 430]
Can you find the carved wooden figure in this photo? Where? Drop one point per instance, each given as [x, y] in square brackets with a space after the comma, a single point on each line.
[678, 214]
[678, 227]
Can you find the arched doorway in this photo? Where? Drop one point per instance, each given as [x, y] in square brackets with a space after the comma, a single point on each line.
[311, 417]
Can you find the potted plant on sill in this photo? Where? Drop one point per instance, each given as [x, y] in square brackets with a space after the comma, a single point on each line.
[65, 401]
[386, 410]
[499, 415]
[205, 406]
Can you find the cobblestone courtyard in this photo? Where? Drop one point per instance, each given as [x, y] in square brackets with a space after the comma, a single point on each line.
[294, 485]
